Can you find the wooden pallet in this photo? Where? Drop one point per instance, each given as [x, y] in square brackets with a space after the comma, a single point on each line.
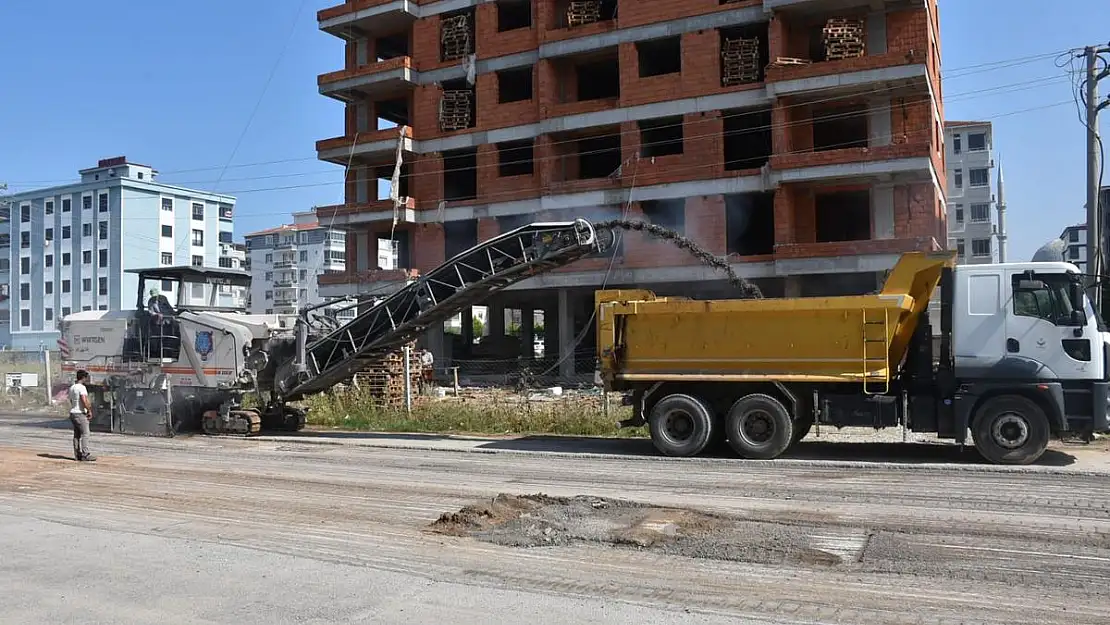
[581, 12]
[740, 61]
[454, 110]
[844, 39]
[455, 37]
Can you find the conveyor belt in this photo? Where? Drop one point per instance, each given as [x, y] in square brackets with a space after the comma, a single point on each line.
[462, 281]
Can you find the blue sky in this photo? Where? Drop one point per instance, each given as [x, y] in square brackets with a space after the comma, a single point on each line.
[175, 84]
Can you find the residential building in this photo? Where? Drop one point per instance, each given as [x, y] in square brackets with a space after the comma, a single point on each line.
[973, 228]
[801, 139]
[69, 248]
[285, 263]
[1075, 245]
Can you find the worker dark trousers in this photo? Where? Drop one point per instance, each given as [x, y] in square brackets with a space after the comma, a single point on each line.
[80, 435]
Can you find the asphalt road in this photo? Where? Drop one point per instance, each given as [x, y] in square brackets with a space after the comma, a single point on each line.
[204, 530]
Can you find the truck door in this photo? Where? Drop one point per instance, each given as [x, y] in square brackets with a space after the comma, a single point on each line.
[979, 328]
[1040, 328]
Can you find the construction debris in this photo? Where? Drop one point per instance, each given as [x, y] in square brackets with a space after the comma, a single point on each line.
[740, 61]
[385, 379]
[455, 38]
[844, 39]
[455, 110]
[788, 61]
[583, 12]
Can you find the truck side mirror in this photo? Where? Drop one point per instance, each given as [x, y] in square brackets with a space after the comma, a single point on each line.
[1078, 304]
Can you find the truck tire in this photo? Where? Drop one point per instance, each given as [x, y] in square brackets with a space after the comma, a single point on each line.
[1010, 429]
[681, 425]
[801, 427]
[759, 427]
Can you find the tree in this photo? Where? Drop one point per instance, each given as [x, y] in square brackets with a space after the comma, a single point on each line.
[478, 327]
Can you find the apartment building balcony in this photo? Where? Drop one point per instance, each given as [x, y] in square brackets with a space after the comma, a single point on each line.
[379, 80]
[902, 161]
[289, 300]
[286, 283]
[285, 264]
[355, 19]
[380, 281]
[373, 147]
[340, 215]
[810, 6]
[845, 46]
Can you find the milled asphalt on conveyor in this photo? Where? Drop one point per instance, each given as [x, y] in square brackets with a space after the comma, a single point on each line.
[261, 531]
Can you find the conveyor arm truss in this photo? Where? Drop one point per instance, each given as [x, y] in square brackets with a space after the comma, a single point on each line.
[462, 281]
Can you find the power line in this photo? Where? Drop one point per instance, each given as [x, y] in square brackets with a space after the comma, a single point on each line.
[1000, 89]
[953, 73]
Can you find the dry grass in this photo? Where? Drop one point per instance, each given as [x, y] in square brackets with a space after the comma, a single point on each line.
[485, 412]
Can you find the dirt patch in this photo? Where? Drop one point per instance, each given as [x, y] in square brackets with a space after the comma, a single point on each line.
[501, 509]
[539, 521]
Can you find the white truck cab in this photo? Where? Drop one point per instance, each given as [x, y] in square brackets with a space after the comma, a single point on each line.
[1028, 330]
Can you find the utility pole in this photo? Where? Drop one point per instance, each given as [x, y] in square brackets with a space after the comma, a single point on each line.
[1095, 253]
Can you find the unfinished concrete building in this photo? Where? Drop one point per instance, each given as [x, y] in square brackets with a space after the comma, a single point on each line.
[801, 139]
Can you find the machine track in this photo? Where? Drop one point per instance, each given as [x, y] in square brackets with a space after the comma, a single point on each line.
[239, 423]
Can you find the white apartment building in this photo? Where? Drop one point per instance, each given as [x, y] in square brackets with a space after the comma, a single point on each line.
[975, 231]
[1075, 245]
[69, 248]
[286, 261]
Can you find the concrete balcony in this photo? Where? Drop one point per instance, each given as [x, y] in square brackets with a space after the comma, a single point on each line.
[824, 6]
[367, 18]
[375, 147]
[285, 264]
[379, 80]
[382, 282]
[340, 215]
[894, 70]
[903, 161]
[286, 284]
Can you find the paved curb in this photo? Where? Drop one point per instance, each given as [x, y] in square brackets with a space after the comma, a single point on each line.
[924, 467]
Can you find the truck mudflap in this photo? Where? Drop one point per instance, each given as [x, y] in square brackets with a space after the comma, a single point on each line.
[1100, 399]
[969, 393]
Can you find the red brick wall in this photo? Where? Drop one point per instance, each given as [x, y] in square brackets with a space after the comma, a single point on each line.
[427, 247]
[492, 43]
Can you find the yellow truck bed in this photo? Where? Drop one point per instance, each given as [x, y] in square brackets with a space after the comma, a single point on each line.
[858, 339]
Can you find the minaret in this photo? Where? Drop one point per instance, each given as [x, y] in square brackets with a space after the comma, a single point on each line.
[1001, 214]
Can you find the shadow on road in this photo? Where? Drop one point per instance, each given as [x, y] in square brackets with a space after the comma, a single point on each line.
[55, 457]
[341, 435]
[909, 453]
[51, 424]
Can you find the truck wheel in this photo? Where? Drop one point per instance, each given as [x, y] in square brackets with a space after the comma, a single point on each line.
[759, 427]
[681, 425]
[801, 428]
[1010, 429]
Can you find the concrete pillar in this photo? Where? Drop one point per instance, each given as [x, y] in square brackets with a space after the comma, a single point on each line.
[566, 335]
[363, 241]
[876, 33]
[527, 333]
[496, 320]
[468, 328]
[792, 286]
[434, 342]
[882, 213]
[878, 122]
[551, 332]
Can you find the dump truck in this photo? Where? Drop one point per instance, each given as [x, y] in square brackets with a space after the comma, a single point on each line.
[1019, 357]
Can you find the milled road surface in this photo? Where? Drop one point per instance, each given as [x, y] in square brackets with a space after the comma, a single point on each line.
[204, 530]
